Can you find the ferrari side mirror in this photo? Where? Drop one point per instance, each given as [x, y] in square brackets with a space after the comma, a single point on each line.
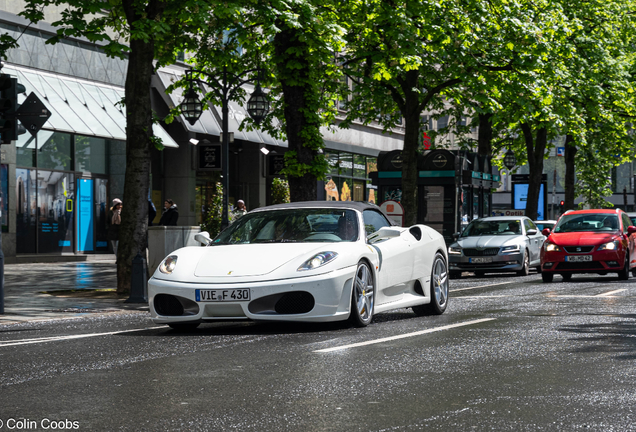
[203, 238]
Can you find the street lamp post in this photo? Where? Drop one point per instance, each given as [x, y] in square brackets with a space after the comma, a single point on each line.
[509, 162]
[225, 85]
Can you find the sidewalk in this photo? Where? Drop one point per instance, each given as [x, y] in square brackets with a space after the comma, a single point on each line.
[25, 287]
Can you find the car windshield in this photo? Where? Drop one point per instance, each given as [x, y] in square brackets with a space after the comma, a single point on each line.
[587, 222]
[292, 225]
[492, 227]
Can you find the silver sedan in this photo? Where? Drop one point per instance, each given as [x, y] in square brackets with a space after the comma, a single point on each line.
[496, 244]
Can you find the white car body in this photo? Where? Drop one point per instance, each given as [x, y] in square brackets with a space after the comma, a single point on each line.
[400, 264]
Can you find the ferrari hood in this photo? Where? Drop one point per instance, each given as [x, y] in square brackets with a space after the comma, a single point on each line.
[582, 238]
[250, 259]
[488, 241]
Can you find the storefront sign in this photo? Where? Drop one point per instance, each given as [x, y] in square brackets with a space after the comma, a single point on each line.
[440, 160]
[508, 212]
[209, 158]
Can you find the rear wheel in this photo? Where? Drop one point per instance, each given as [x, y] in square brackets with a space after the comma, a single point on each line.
[439, 289]
[184, 327]
[547, 277]
[525, 270]
[362, 297]
[624, 273]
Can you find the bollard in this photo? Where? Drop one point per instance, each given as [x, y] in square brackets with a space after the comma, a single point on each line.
[139, 281]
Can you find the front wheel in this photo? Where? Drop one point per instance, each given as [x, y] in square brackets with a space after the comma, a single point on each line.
[362, 297]
[439, 289]
[547, 277]
[525, 270]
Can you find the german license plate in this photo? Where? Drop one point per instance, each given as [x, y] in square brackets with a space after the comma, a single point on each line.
[572, 258]
[219, 295]
[480, 260]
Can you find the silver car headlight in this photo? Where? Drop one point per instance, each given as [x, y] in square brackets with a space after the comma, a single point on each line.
[318, 260]
[508, 249]
[454, 250]
[168, 264]
[613, 245]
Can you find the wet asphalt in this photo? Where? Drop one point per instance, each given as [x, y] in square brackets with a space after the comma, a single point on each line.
[510, 354]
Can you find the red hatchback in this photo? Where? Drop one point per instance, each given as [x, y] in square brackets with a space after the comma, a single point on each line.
[589, 241]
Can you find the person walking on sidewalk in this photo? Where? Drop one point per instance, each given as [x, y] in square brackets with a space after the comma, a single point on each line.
[170, 214]
[114, 221]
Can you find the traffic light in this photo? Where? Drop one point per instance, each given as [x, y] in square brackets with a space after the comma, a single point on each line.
[10, 127]
[561, 206]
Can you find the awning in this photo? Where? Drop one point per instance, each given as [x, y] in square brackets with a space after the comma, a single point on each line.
[209, 123]
[79, 106]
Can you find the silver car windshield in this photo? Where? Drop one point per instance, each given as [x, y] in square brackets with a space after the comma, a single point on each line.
[587, 222]
[291, 225]
[492, 227]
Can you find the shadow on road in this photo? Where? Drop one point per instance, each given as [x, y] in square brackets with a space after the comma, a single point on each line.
[612, 337]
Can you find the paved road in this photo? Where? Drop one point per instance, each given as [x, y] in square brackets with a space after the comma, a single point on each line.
[511, 353]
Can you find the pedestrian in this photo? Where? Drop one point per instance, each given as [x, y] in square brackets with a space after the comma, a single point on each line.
[170, 214]
[239, 211]
[114, 221]
[152, 212]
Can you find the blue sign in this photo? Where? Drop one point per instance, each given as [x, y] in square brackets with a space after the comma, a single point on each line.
[560, 151]
[520, 198]
[85, 216]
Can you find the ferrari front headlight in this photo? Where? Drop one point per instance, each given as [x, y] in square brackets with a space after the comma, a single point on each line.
[318, 260]
[168, 264]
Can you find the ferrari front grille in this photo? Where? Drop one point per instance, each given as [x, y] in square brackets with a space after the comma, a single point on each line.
[168, 305]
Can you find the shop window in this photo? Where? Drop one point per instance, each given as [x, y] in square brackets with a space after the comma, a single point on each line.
[346, 164]
[91, 154]
[345, 189]
[359, 167]
[25, 210]
[54, 150]
[332, 160]
[55, 207]
[25, 151]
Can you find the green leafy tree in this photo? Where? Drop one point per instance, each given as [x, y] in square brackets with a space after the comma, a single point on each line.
[149, 33]
[280, 191]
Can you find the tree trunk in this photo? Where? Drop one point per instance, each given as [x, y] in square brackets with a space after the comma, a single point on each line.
[536, 151]
[570, 153]
[299, 121]
[484, 137]
[410, 150]
[133, 234]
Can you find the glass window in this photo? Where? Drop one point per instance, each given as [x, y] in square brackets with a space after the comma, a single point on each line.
[25, 210]
[587, 222]
[346, 186]
[332, 160]
[626, 222]
[292, 225]
[359, 167]
[91, 154]
[56, 199]
[373, 221]
[442, 122]
[346, 164]
[25, 150]
[54, 151]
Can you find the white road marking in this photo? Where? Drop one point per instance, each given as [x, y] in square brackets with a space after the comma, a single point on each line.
[406, 335]
[607, 294]
[481, 296]
[69, 337]
[480, 286]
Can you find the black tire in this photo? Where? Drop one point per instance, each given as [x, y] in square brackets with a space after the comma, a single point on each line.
[362, 296]
[624, 273]
[539, 269]
[455, 274]
[439, 289]
[480, 273]
[547, 277]
[184, 327]
[525, 270]
[567, 277]
[634, 272]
